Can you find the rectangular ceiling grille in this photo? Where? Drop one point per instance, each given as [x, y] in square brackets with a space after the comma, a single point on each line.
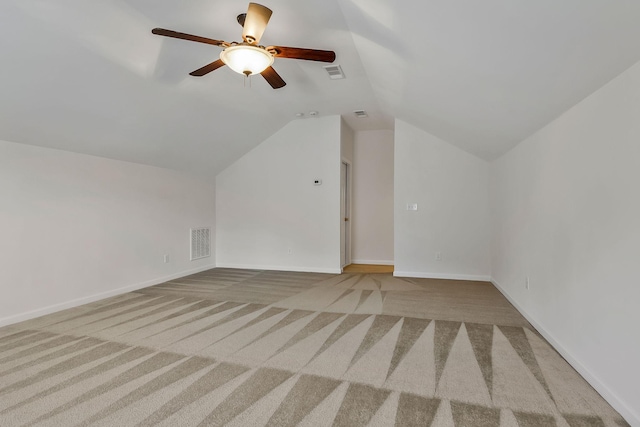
[334, 71]
[361, 114]
[200, 242]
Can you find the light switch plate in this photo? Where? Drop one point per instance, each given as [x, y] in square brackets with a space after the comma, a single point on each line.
[412, 206]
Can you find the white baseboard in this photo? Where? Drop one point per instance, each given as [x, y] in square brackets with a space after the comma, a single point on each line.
[372, 262]
[422, 275]
[96, 297]
[280, 268]
[629, 414]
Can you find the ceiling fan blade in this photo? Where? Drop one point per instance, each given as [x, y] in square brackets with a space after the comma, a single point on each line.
[255, 22]
[273, 78]
[207, 68]
[300, 53]
[184, 36]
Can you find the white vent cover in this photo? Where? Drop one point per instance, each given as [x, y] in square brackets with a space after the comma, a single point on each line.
[360, 114]
[334, 71]
[200, 242]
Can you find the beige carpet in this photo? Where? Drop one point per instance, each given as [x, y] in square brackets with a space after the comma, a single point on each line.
[251, 348]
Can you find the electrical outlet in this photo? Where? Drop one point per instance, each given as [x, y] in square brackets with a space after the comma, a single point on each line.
[166, 258]
[438, 256]
[526, 283]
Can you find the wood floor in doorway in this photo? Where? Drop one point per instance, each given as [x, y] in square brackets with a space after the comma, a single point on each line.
[367, 268]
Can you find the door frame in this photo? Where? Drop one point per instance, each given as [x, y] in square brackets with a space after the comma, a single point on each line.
[346, 212]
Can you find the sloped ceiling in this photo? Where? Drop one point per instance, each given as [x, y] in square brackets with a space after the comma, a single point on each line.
[90, 77]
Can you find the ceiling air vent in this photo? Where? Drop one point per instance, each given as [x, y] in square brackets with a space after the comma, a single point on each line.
[361, 114]
[200, 243]
[334, 71]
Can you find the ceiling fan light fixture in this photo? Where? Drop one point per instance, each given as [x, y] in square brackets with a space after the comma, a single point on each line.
[249, 57]
[246, 59]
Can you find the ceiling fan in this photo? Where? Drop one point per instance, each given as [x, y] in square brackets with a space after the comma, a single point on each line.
[248, 57]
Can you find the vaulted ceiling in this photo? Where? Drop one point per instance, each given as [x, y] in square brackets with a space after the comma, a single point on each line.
[90, 77]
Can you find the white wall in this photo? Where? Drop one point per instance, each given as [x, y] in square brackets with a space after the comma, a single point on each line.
[372, 212]
[566, 210]
[267, 204]
[451, 189]
[76, 228]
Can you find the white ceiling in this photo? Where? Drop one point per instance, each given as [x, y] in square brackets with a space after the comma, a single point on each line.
[90, 77]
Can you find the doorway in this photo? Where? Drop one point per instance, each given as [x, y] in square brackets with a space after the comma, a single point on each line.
[345, 214]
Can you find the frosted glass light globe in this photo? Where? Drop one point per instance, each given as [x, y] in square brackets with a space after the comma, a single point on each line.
[247, 60]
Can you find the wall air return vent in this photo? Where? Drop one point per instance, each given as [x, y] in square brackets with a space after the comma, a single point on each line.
[334, 71]
[200, 243]
[361, 114]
